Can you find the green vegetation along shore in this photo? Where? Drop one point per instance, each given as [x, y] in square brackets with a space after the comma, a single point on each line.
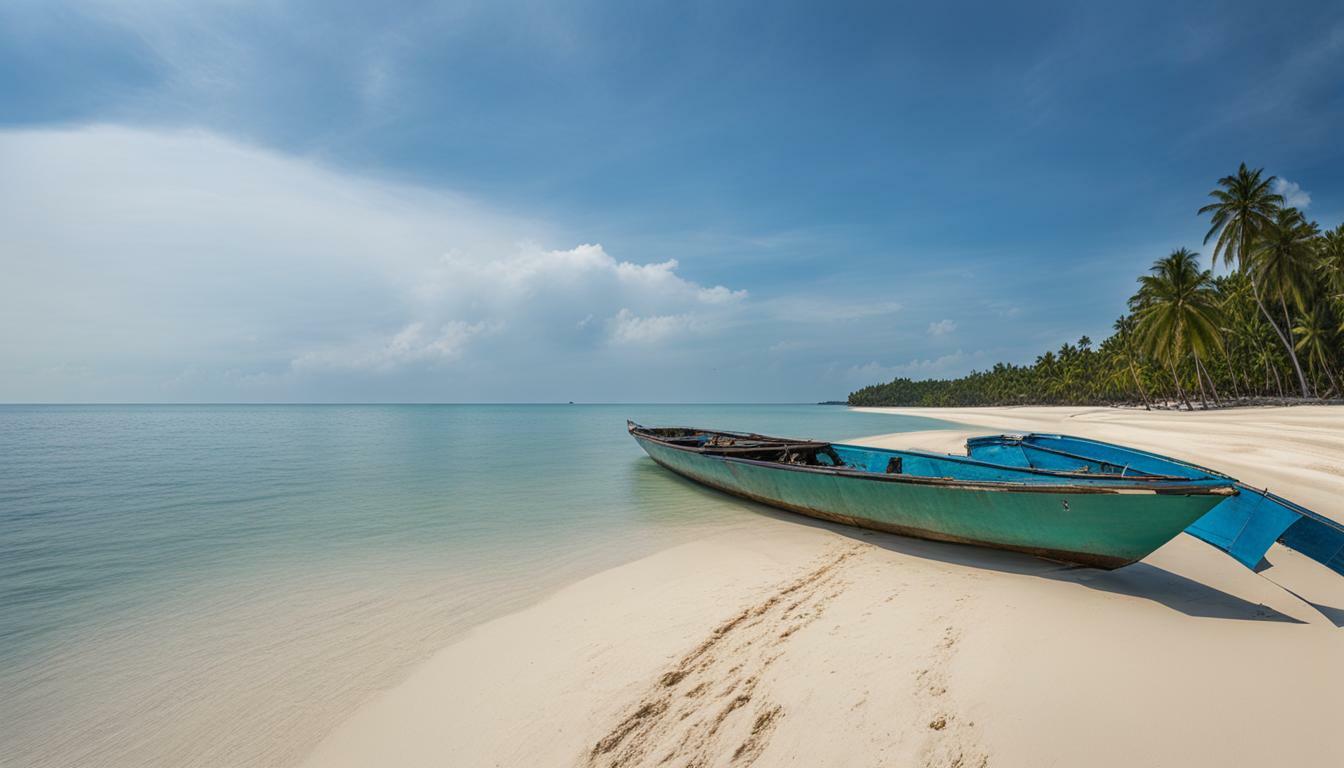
[1273, 327]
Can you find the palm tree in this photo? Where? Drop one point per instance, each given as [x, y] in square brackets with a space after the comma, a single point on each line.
[1282, 264]
[1314, 332]
[1241, 326]
[1283, 259]
[1264, 357]
[1330, 260]
[1244, 208]
[1176, 311]
[1245, 205]
[1124, 328]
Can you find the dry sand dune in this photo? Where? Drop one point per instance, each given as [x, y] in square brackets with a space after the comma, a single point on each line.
[797, 643]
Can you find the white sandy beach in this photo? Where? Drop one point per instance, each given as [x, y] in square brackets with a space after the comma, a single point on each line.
[797, 643]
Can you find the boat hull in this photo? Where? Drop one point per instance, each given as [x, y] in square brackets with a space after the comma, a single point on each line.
[1087, 526]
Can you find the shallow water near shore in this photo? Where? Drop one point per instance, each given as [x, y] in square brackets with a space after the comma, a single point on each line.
[221, 584]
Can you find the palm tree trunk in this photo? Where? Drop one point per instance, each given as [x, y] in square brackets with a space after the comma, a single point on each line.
[1292, 351]
[1199, 365]
[1203, 396]
[1232, 372]
[1325, 365]
[1287, 342]
[1180, 393]
[1284, 338]
[1138, 385]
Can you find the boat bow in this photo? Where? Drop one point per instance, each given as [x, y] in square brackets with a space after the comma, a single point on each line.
[1244, 526]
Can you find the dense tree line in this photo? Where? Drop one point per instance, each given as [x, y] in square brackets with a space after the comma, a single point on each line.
[1272, 327]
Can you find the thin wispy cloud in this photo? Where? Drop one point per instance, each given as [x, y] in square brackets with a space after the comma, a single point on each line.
[814, 309]
[414, 344]
[942, 327]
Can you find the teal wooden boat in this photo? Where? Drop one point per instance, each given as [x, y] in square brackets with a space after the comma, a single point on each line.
[1094, 519]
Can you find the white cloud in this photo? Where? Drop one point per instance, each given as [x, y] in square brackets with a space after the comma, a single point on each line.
[720, 295]
[815, 310]
[942, 327]
[1293, 194]
[139, 254]
[528, 278]
[412, 344]
[629, 328]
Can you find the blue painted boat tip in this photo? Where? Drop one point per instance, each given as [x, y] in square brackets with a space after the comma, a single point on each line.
[1243, 527]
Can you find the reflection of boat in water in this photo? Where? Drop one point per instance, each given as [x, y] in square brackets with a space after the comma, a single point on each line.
[1244, 526]
[1081, 516]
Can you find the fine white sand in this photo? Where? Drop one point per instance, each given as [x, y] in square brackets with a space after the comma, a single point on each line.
[798, 643]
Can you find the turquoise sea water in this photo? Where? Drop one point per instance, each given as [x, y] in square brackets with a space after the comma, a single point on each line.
[220, 584]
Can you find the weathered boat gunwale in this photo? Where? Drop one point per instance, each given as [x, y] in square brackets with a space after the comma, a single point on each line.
[647, 432]
[641, 433]
[1022, 440]
[1146, 478]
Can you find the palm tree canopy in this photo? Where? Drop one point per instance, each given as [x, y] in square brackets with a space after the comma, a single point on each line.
[1282, 261]
[1243, 206]
[1176, 308]
[1330, 260]
[1315, 331]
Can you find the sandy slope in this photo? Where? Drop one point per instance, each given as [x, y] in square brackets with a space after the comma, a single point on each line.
[795, 643]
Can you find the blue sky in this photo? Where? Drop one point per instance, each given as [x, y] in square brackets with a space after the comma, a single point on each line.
[505, 201]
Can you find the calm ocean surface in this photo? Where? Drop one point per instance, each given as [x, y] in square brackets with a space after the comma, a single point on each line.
[219, 585]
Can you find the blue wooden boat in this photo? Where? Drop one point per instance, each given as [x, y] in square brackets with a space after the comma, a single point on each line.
[1244, 526]
[1105, 520]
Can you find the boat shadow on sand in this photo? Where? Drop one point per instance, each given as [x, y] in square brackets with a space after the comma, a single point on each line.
[1140, 580]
